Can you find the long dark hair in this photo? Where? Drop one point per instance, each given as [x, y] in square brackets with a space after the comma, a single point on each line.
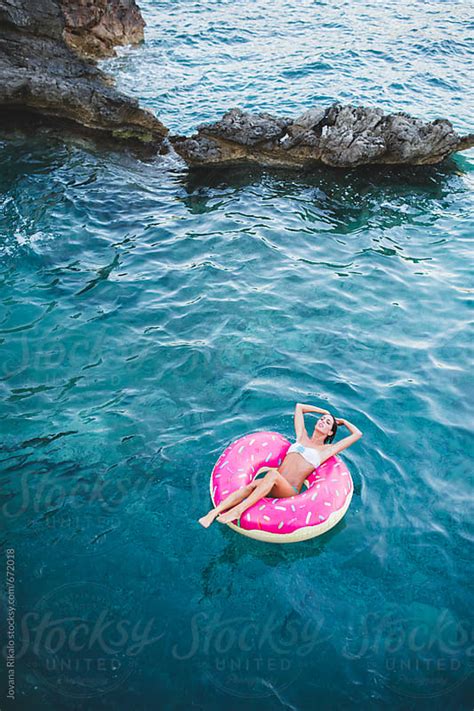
[330, 438]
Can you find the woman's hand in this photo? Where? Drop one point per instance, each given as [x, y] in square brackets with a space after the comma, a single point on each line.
[340, 422]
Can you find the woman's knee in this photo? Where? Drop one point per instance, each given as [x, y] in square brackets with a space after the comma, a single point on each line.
[272, 476]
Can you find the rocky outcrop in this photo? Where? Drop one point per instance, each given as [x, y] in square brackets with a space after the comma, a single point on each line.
[93, 29]
[339, 136]
[47, 71]
[41, 76]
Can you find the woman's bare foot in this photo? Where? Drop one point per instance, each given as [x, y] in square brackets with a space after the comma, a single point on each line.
[231, 515]
[207, 519]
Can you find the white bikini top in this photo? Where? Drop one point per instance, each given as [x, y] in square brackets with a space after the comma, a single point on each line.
[310, 454]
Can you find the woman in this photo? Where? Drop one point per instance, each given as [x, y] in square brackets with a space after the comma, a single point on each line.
[302, 457]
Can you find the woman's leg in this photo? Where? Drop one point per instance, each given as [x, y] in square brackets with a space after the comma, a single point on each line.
[227, 503]
[264, 487]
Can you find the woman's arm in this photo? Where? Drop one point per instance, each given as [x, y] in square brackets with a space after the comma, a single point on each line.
[300, 409]
[312, 408]
[347, 441]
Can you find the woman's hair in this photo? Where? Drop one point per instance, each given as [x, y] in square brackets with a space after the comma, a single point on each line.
[330, 438]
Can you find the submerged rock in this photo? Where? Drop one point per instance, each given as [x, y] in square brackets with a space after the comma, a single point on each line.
[41, 75]
[339, 136]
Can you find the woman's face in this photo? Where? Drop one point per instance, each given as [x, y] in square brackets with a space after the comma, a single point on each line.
[324, 425]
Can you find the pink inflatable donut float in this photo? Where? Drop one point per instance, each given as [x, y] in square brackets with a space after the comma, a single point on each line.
[310, 513]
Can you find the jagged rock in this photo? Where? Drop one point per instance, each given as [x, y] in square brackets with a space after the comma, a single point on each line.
[339, 136]
[93, 29]
[41, 75]
[247, 129]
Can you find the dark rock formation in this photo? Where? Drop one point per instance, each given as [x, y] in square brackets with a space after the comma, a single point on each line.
[339, 136]
[47, 71]
[40, 75]
[92, 29]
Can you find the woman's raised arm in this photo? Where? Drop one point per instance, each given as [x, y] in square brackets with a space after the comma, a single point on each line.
[346, 441]
[300, 409]
[313, 408]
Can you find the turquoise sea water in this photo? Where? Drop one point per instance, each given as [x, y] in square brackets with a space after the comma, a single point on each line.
[150, 316]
